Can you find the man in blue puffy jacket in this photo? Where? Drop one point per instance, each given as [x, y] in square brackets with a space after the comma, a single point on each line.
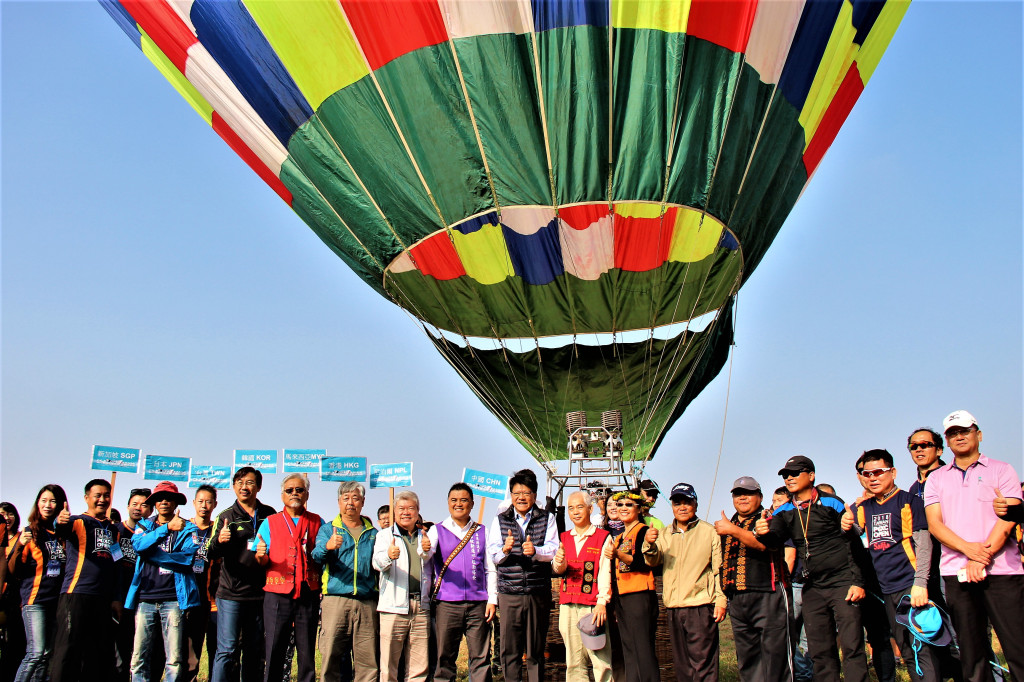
[348, 620]
[164, 584]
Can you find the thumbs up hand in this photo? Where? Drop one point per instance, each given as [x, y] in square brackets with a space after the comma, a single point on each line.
[560, 554]
[424, 541]
[528, 549]
[225, 533]
[846, 522]
[393, 551]
[724, 526]
[609, 551]
[999, 505]
[651, 536]
[176, 524]
[509, 542]
[761, 527]
[65, 516]
[261, 549]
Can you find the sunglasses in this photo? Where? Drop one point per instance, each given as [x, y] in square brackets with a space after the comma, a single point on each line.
[914, 447]
[294, 491]
[792, 474]
[627, 504]
[874, 473]
[144, 492]
[958, 431]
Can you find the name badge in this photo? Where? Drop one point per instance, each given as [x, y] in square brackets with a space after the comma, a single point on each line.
[115, 551]
[52, 568]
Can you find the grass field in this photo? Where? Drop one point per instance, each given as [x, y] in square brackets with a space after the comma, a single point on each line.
[728, 671]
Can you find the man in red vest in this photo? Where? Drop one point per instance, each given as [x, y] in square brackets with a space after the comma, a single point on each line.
[283, 545]
[586, 589]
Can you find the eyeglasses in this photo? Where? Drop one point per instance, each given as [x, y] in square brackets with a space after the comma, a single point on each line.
[245, 484]
[958, 431]
[914, 447]
[294, 491]
[792, 474]
[526, 494]
[874, 473]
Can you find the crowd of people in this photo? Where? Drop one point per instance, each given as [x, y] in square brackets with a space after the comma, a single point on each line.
[933, 568]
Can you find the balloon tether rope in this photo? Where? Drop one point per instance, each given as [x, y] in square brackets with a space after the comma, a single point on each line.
[725, 412]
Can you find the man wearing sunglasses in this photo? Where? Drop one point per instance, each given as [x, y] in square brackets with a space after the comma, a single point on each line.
[833, 584]
[980, 565]
[283, 545]
[925, 448]
[900, 548]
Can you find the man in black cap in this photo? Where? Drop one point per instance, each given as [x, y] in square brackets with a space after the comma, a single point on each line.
[649, 489]
[753, 578]
[833, 585]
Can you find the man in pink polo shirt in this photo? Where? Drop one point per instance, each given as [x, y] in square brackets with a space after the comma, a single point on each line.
[980, 564]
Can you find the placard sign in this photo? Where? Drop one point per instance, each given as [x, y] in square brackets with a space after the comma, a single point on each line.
[303, 461]
[162, 468]
[264, 461]
[398, 475]
[207, 474]
[343, 469]
[123, 460]
[484, 484]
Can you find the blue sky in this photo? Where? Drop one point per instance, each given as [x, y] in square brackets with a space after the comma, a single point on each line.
[156, 294]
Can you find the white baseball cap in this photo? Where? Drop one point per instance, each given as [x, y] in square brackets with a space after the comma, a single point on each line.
[959, 418]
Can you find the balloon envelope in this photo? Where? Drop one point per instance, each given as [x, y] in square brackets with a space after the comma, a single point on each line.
[567, 194]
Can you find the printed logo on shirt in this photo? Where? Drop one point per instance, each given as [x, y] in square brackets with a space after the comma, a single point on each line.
[55, 548]
[103, 542]
[127, 550]
[881, 531]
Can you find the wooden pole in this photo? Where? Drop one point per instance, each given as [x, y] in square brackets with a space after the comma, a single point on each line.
[483, 503]
[391, 507]
[113, 480]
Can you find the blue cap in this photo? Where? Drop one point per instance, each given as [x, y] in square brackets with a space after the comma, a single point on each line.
[683, 490]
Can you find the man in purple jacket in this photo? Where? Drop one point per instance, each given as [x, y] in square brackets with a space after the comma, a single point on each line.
[465, 588]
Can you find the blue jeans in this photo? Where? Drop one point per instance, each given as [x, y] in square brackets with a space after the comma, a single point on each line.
[148, 617]
[40, 621]
[239, 625]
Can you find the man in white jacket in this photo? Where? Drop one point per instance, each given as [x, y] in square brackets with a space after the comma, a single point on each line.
[402, 554]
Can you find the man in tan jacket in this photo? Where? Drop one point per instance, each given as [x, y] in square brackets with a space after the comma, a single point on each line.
[691, 555]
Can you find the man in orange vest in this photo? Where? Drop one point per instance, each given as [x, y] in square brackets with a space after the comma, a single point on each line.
[586, 589]
[283, 545]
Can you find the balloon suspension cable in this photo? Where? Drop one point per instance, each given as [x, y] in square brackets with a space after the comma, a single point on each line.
[725, 412]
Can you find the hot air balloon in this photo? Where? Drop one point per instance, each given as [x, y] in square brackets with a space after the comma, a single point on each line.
[565, 194]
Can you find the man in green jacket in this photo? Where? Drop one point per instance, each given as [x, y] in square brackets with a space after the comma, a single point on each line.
[348, 621]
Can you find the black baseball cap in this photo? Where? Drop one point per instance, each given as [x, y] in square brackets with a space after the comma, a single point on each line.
[797, 463]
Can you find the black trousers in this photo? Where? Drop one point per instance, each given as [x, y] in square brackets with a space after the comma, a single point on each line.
[879, 634]
[525, 619]
[825, 611]
[83, 644]
[760, 628]
[999, 600]
[452, 621]
[637, 616]
[694, 643]
[200, 628]
[280, 611]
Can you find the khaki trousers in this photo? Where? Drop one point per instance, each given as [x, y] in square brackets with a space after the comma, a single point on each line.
[568, 616]
[348, 627]
[409, 633]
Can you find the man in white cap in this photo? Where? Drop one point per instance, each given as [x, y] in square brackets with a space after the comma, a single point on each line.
[585, 588]
[753, 578]
[980, 563]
